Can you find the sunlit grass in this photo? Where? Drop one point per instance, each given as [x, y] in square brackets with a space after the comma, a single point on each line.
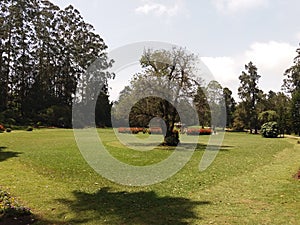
[250, 182]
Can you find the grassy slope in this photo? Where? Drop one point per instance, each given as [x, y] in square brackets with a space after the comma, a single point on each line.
[250, 182]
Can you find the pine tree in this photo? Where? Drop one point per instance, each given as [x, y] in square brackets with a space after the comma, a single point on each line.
[250, 95]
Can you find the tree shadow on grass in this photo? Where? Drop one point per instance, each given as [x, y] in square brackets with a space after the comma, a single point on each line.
[4, 155]
[187, 146]
[202, 147]
[145, 208]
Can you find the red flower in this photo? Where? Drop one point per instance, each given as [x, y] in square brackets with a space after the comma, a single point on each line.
[2, 128]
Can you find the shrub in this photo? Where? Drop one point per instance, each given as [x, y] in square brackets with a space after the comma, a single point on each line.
[2, 128]
[134, 130]
[8, 130]
[30, 128]
[269, 130]
[9, 207]
[197, 131]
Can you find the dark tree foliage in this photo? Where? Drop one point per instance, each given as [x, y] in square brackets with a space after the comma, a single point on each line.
[44, 52]
[168, 82]
[250, 95]
[292, 81]
[295, 111]
[230, 105]
[292, 86]
[281, 104]
[103, 110]
[201, 104]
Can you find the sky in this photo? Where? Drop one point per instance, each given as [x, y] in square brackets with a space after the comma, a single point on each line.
[226, 34]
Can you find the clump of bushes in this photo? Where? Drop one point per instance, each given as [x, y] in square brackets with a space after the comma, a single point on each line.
[199, 131]
[9, 207]
[269, 130]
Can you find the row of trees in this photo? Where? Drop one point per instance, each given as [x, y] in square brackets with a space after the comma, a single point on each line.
[169, 77]
[46, 51]
[257, 107]
[44, 54]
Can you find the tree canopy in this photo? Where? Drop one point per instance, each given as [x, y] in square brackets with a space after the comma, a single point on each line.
[292, 86]
[249, 93]
[167, 81]
[44, 53]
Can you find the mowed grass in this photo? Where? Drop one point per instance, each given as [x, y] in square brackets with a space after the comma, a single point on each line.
[250, 182]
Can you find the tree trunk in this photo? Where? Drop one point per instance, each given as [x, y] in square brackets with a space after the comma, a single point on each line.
[171, 137]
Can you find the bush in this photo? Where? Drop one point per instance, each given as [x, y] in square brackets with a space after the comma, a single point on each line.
[134, 130]
[2, 128]
[197, 131]
[269, 130]
[30, 128]
[9, 207]
[8, 130]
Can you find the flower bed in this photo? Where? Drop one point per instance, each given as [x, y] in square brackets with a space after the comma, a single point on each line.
[199, 131]
[130, 130]
[155, 130]
[2, 128]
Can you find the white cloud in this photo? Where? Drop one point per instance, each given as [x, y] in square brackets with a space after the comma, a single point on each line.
[159, 9]
[271, 58]
[222, 68]
[232, 6]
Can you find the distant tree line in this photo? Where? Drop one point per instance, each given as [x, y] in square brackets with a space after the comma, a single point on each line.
[257, 107]
[44, 52]
[253, 110]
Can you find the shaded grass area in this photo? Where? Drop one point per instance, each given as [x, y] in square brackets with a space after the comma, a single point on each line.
[132, 207]
[250, 182]
[4, 155]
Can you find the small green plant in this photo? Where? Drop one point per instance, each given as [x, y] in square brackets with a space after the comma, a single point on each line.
[270, 130]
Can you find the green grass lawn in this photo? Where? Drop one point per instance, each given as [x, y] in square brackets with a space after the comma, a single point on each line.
[250, 182]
